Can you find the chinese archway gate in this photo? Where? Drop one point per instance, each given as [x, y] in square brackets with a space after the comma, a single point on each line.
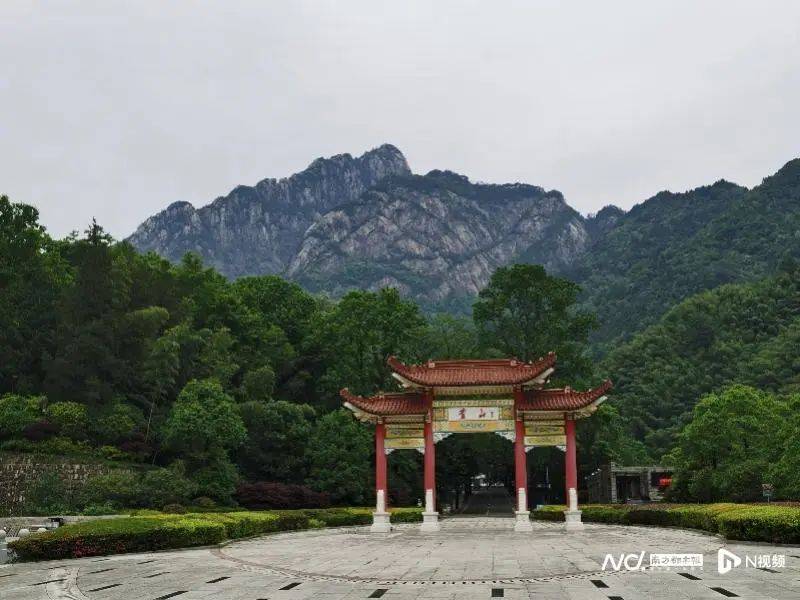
[504, 396]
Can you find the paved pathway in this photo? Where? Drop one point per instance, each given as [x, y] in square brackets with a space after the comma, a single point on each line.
[494, 500]
[476, 557]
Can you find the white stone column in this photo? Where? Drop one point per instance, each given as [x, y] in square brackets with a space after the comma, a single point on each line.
[523, 515]
[380, 518]
[572, 516]
[430, 518]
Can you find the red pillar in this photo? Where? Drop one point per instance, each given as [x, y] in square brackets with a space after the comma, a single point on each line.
[380, 465]
[520, 458]
[570, 458]
[430, 454]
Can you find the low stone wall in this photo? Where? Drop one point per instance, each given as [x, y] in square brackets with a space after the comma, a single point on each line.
[18, 472]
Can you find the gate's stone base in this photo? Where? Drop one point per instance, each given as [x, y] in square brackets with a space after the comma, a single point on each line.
[523, 521]
[380, 522]
[430, 522]
[572, 520]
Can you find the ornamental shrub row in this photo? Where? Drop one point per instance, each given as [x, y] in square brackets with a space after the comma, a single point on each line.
[148, 532]
[753, 522]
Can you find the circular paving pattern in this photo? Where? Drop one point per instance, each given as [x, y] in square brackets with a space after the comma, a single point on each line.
[480, 550]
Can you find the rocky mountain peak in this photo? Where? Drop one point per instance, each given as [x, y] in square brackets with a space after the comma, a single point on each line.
[257, 229]
[368, 222]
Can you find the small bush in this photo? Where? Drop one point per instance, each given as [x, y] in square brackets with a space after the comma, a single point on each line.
[114, 453]
[70, 417]
[17, 412]
[264, 495]
[120, 488]
[217, 479]
[165, 486]
[780, 525]
[116, 423]
[204, 502]
[174, 509]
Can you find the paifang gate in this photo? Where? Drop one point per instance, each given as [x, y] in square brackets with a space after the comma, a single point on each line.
[504, 396]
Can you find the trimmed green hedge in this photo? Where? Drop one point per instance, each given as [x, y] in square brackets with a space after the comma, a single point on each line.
[163, 531]
[753, 522]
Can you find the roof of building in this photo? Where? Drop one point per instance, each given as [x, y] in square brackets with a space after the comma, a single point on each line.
[456, 373]
[384, 405]
[563, 398]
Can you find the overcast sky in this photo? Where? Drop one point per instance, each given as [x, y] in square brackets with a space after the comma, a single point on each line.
[116, 109]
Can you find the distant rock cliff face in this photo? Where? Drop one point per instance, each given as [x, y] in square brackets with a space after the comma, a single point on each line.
[257, 230]
[436, 237]
[367, 222]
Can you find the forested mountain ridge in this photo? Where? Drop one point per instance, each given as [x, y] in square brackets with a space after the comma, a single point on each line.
[368, 222]
[637, 270]
[746, 333]
[675, 245]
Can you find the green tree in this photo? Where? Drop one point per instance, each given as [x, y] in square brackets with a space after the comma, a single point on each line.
[341, 451]
[784, 473]
[279, 302]
[203, 425]
[448, 336]
[258, 384]
[360, 332]
[526, 313]
[33, 275]
[277, 434]
[204, 419]
[727, 449]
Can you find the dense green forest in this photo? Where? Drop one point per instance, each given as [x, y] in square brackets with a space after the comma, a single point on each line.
[213, 390]
[675, 245]
[109, 353]
[737, 333]
[714, 389]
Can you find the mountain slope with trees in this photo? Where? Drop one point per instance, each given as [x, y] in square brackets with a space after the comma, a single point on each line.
[675, 245]
[744, 333]
[365, 223]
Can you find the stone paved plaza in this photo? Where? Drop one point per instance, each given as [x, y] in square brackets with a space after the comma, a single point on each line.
[478, 557]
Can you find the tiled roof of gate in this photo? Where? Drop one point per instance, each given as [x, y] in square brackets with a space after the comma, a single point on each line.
[454, 373]
[563, 399]
[402, 403]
